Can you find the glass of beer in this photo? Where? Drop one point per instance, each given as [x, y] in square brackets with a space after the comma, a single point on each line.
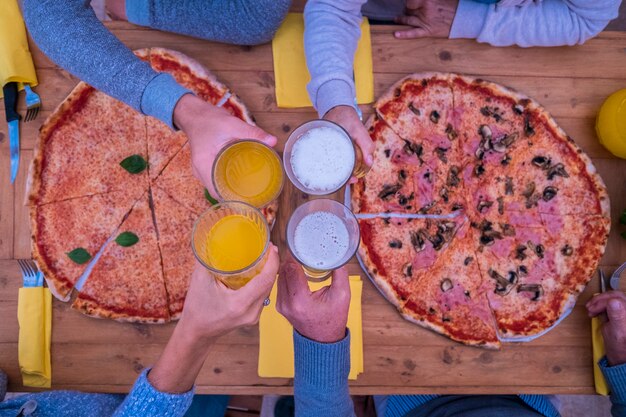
[250, 171]
[231, 239]
[320, 157]
[322, 235]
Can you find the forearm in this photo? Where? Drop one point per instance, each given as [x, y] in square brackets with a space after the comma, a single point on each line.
[71, 35]
[238, 22]
[616, 379]
[546, 23]
[331, 34]
[321, 378]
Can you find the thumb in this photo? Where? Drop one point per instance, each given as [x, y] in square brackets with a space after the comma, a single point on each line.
[254, 132]
[616, 311]
[261, 285]
[341, 281]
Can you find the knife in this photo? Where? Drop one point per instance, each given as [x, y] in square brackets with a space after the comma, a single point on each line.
[13, 120]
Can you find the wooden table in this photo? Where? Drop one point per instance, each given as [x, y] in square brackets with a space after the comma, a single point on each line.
[106, 356]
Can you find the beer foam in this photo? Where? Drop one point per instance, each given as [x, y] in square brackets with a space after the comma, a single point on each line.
[321, 240]
[322, 159]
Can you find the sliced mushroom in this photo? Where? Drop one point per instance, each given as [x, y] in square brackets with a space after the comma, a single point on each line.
[549, 193]
[518, 109]
[508, 186]
[485, 132]
[508, 140]
[402, 175]
[387, 152]
[567, 250]
[452, 134]
[395, 244]
[388, 191]
[446, 284]
[479, 170]
[520, 252]
[407, 269]
[468, 260]
[503, 285]
[437, 241]
[528, 128]
[522, 270]
[417, 241]
[506, 160]
[453, 176]
[486, 240]
[536, 289]
[530, 189]
[542, 162]
[434, 116]
[446, 229]
[532, 200]
[557, 170]
[443, 193]
[500, 201]
[499, 147]
[415, 110]
[538, 249]
[507, 229]
[441, 154]
[483, 205]
[412, 148]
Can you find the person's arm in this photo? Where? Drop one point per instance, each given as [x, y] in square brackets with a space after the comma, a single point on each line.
[168, 388]
[611, 308]
[332, 29]
[321, 341]
[71, 35]
[541, 23]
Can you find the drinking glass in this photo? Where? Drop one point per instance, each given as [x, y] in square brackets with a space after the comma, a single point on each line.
[248, 170]
[315, 272]
[257, 230]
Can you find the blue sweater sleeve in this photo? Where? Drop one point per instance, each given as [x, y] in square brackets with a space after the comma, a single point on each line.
[321, 378]
[537, 23]
[71, 35]
[615, 377]
[145, 400]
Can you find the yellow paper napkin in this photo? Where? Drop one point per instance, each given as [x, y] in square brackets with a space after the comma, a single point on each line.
[16, 63]
[291, 73]
[598, 352]
[34, 315]
[276, 345]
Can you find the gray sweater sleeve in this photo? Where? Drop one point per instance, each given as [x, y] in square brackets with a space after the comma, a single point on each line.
[71, 35]
[539, 23]
[331, 34]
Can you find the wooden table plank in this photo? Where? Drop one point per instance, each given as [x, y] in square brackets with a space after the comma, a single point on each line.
[106, 356]
[6, 198]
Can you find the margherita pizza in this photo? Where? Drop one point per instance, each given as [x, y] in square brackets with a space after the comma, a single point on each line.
[113, 200]
[512, 218]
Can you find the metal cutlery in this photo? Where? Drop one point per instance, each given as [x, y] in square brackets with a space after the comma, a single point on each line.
[33, 103]
[13, 122]
[614, 282]
[31, 275]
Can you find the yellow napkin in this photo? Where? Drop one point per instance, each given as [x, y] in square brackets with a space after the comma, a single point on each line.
[276, 334]
[16, 63]
[598, 352]
[34, 314]
[291, 72]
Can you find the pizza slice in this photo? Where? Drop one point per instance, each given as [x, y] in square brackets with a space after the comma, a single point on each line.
[452, 298]
[524, 288]
[126, 282]
[72, 159]
[67, 234]
[174, 225]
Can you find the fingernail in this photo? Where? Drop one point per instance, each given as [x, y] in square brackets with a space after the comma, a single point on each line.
[616, 305]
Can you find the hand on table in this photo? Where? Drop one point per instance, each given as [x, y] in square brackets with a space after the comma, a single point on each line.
[611, 308]
[429, 18]
[321, 315]
[347, 117]
[211, 309]
[209, 129]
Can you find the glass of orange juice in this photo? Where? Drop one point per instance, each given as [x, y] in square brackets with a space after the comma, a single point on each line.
[231, 239]
[249, 171]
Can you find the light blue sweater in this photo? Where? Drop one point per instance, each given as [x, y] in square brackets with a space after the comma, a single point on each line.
[332, 30]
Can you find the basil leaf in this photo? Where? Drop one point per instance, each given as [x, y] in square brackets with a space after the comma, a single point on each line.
[79, 255]
[622, 218]
[134, 164]
[126, 239]
[208, 197]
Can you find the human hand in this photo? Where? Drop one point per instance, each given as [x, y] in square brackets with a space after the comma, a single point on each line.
[209, 129]
[116, 9]
[429, 18]
[611, 308]
[321, 315]
[347, 117]
[212, 309]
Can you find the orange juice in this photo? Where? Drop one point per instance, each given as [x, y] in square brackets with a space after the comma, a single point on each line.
[248, 171]
[234, 243]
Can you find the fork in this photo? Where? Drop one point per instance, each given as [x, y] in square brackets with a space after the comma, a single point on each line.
[33, 103]
[30, 273]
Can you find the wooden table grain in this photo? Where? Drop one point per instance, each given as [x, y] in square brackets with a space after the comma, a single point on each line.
[106, 356]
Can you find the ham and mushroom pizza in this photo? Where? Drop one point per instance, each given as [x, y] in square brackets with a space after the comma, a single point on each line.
[515, 217]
